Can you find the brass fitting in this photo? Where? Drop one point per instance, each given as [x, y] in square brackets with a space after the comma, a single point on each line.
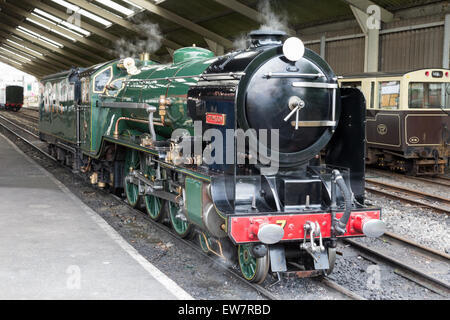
[116, 128]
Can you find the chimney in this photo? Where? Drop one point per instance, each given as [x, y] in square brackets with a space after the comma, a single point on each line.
[266, 37]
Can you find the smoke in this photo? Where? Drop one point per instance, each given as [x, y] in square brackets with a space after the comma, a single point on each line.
[270, 19]
[149, 40]
[241, 42]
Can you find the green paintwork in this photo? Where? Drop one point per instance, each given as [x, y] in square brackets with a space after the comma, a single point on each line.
[176, 91]
[131, 190]
[247, 262]
[98, 122]
[153, 204]
[57, 109]
[194, 203]
[182, 227]
[190, 53]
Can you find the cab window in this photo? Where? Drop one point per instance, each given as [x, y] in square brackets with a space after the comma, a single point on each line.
[114, 87]
[389, 93]
[427, 95]
[102, 79]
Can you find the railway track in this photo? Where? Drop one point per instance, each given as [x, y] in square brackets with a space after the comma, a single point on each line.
[435, 202]
[33, 141]
[30, 122]
[443, 181]
[28, 117]
[440, 180]
[396, 249]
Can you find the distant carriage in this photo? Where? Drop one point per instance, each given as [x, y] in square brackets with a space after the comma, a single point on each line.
[408, 124]
[13, 98]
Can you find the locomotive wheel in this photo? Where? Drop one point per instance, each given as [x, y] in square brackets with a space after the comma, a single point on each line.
[182, 227]
[331, 260]
[153, 205]
[131, 189]
[253, 269]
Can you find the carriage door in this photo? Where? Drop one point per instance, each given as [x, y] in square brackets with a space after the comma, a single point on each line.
[85, 115]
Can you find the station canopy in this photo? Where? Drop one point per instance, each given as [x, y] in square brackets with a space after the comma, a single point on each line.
[43, 37]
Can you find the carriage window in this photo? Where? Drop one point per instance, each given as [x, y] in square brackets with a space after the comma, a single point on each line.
[355, 84]
[426, 95]
[389, 94]
[101, 80]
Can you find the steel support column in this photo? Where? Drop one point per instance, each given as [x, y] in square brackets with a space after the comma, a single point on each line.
[446, 53]
[372, 39]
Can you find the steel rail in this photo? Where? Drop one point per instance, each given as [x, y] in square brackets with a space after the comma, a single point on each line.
[410, 191]
[443, 181]
[422, 278]
[440, 180]
[28, 117]
[417, 246]
[404, 195]
[17, 126]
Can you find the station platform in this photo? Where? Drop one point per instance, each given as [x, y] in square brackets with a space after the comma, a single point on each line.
[52, 246]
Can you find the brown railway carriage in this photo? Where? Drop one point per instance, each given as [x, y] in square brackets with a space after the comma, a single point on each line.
[408, 123]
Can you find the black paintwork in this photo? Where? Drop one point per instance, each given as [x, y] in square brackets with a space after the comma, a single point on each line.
[14, 94]
[347, 147]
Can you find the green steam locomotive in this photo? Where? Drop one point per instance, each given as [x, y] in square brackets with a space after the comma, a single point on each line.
[186, 140]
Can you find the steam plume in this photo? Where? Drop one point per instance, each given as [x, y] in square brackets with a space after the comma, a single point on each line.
[270, 19]
[149, 40]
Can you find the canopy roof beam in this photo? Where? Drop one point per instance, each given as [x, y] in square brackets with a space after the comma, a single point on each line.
[185, 23]
[248, 12]
[21, 68]
[67, 58]
[25, 63]
[33, 59]
[51, 26]
[65, 43]
[32, 52]
[66, 17]
[117, 20]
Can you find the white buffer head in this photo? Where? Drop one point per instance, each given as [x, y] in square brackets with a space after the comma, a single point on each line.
[270, 233]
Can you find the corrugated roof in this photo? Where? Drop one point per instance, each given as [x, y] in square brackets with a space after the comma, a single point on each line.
[210, 15]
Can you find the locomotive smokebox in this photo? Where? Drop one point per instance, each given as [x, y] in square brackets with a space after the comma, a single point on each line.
[266, 37]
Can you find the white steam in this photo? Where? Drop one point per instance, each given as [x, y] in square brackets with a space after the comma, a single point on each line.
[241, 42]
[149, 40]
[270, 21]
